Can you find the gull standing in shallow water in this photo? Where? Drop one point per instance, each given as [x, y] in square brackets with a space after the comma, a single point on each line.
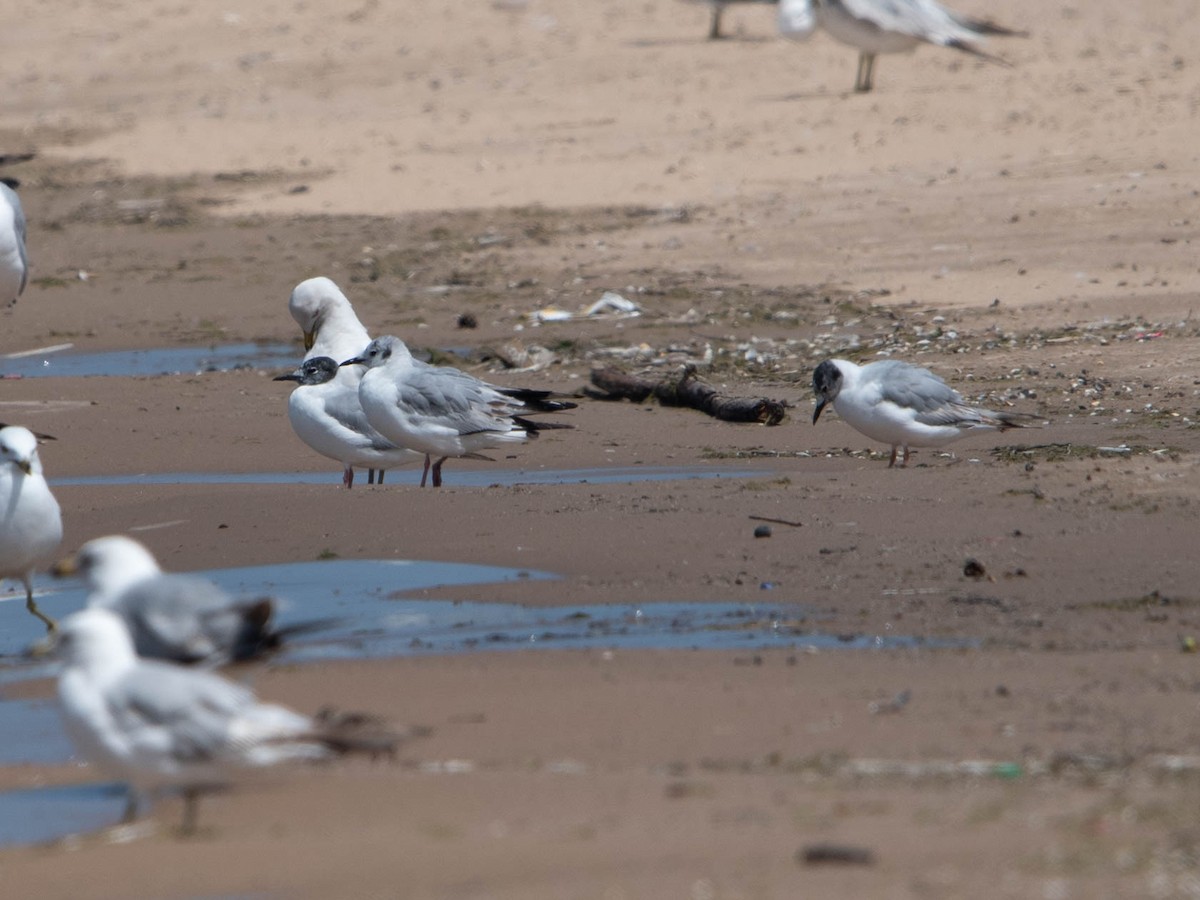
[182, 618]
[888, 26]
[14, 265]
[30, 520]
[158, 726]
[904, 405]
[329, 417]
[440, 411]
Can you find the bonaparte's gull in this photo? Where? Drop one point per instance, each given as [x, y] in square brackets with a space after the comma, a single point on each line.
[182, 618]
[903, 405]
[14, 264]
[887, 26]
[441, 411]
[156, 725]
[330, 419]
[332, 329]
[30, 521]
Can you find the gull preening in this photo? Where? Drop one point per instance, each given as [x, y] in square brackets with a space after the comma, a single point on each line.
[182, 618]
[904, 405]
[159, 726]
[328, 417]
[718, 8]
[441, 411]
[888, 26]
[30, 521]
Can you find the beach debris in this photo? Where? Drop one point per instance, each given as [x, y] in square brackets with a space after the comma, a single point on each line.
[973, 568]
[897, 703]
[686, 389]
[762, 531]
[775, 521]
[834, 854]
[611, 305]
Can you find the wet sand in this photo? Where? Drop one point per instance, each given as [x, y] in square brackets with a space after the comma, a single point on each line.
[1024, 231]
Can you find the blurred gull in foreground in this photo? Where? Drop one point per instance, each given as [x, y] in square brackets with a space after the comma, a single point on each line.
[158, 726]
[182, 618]
[30, 521]
[887, 26]
[328, 416]
[441, 411]
[14, 265]
[904, 405]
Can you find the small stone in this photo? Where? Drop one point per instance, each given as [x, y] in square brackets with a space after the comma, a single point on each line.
[762, 531]
[973, 568]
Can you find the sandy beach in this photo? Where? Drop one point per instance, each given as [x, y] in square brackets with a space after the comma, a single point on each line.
[1024, 231]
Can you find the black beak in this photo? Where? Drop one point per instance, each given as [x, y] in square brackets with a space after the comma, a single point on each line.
[357, 361]
[291, 376]
[817, 411]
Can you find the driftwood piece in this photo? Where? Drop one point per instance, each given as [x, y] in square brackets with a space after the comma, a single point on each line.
[686, 389]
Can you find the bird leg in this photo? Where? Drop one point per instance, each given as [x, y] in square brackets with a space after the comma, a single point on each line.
[437, 471]
[425, 471]
[714, 33]
[370, 476]
[892, 460]
[866, 73]
[51, 625]
[191, 810]
[131, 808]
[379, 480]
[348, 477]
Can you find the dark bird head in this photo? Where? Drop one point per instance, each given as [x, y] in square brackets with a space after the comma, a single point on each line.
[317, 370]
[827, 382]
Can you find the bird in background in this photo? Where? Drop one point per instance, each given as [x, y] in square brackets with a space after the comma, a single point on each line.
[328, 418]
[14, 264]
[30, 519]
[718, 8]
[444, 412]
[182, 618]
[158, 726]
[888, 26]
[904, 405]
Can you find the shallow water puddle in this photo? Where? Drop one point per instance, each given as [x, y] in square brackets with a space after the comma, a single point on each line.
[37, 815]
[412, 477]
[64, 362]
[368, 618]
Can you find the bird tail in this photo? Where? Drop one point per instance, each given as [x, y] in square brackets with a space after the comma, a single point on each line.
[357, 732]
[537, 401]
[532, 428]
[984, 27]
[1007, 420]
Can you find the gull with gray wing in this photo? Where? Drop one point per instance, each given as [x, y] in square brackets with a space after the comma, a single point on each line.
[441, 411]
[903, 405]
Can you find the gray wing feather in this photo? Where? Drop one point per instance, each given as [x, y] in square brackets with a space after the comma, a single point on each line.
[180, 617]
[184, 712]
[912, 387]
[456, 400]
